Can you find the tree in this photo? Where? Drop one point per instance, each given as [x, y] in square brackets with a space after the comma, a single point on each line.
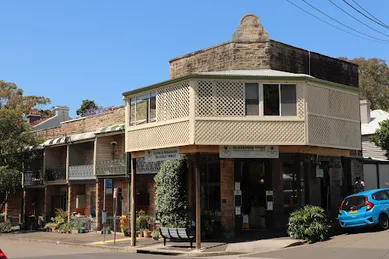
[89, 107]
[171, 198]
[17, 141]
[381, 137]
[373, 81]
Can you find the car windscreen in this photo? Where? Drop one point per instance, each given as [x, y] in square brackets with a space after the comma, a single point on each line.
[353, 203]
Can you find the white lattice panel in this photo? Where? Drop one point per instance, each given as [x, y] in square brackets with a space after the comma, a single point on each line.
[159, 136]
[334, 132]
[249, 132]
[300, 101]
[332, 102]
[220, 99]
[173, 101]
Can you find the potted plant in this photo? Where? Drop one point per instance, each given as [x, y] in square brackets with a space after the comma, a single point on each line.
[107, 230]
[155, 234]
[139, 233]
[127, 232]
[146, 233]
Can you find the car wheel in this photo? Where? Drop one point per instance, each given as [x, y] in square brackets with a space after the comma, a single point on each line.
[383, 222]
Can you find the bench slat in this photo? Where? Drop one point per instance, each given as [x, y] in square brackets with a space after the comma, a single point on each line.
[173, 233]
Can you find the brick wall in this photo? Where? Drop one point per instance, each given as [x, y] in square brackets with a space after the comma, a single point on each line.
[251, 49]
[13, 207]
[227, 187]
[86, 124]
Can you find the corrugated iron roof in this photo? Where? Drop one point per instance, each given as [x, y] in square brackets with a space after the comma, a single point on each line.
[258, 72]
[376, 117]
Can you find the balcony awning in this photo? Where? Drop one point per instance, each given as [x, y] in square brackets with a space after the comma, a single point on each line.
[110, 129]
[81, 136]
[55, 141]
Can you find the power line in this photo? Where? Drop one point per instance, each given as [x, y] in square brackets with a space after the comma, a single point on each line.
[367, 35]
[376, 20]
[330, 24]
[340, 8]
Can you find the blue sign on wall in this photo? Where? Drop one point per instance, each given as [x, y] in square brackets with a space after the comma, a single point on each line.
[103, 217]
[108, 183]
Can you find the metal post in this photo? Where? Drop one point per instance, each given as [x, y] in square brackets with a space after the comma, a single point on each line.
[114, 215]
[198, 197]
[105, 188]
[133, 200]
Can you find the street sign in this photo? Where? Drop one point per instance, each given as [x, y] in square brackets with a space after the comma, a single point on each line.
[108, 183]
[103, 217]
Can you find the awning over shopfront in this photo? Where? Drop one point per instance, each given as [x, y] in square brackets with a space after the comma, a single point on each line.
[111, 129]
[69, 139]
[81, 136]
[55, 141]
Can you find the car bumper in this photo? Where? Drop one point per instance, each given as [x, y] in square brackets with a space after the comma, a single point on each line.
[368, 220]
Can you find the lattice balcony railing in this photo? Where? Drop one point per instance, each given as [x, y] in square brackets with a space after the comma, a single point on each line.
[79, 172]
[111, 167]
[55, 174]
[33, 178]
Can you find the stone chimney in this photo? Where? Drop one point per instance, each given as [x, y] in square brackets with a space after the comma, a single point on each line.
[365, 111]
[62, 112]
[250, 30]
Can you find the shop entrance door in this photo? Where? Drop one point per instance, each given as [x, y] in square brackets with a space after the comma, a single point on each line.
[253, 194]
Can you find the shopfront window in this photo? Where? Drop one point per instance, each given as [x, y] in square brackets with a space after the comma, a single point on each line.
[293, 178]
[210, 174]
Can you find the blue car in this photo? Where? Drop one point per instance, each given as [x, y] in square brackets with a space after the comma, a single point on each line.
[368, 208]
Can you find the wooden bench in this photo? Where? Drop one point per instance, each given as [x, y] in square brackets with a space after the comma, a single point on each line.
[176, 235]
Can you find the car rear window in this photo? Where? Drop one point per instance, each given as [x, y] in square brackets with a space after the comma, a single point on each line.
[353, 203]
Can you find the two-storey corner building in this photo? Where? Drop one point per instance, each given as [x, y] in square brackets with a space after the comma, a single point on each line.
[268, 128]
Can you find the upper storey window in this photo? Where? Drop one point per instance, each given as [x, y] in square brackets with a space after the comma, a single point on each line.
[277, 99]
[143, 109]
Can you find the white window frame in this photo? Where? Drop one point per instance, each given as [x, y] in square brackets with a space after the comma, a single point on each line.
[148, 119]
[261, 105]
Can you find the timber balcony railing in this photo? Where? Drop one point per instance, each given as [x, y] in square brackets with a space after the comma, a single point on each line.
[33, 178]
[81, 172]
[55, 174]
[111, 167]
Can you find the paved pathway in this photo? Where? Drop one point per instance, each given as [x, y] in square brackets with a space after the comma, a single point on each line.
[370, 245]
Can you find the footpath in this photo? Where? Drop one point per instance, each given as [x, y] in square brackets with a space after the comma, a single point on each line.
[148, 245]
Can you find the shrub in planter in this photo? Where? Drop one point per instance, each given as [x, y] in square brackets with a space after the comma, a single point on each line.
[5, 227]
[309, 223]
[127, 232]
[171, 199]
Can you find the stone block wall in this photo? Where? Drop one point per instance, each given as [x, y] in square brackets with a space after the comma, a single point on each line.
[86, 124]
[288, 58]
[251, 49]
[227, 186]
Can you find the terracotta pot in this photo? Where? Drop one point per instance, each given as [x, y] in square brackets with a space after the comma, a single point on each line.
[147, 234]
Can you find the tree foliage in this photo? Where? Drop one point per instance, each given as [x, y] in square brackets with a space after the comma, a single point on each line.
[16, 136]
[381, 136]
[373, 81]
[89, 107]
[171, 198]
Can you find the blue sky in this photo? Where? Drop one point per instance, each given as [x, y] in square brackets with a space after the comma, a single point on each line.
[70, 50]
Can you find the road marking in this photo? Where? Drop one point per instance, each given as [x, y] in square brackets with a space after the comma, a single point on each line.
[111, 241]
